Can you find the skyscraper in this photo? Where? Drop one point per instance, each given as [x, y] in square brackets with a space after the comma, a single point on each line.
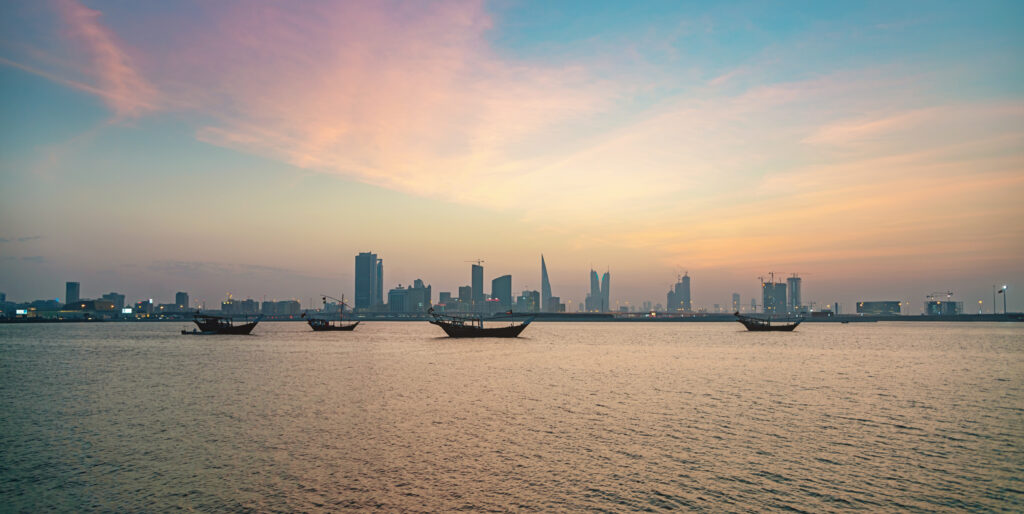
[773, 297]
[501, 290]
[181, 300]
[794, 284]
[368, 281]
[684, 293]
[379, 300]
[71, 292]
[679, 295]
[477, 283]
[606, 284]
[735, 302]
[594, 298]
[545, 287]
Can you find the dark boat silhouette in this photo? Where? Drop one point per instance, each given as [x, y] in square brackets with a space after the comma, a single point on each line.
[322, 325]
[219, 325]
[458, 326]
[766, 325]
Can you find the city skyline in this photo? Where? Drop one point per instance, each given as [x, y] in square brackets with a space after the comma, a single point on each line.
[776, 295]
[875, 150]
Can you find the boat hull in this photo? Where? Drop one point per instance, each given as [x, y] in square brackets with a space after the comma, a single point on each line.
[766, 325]
[755, 327]
[327, 327]
[215, 328]
[465, 331]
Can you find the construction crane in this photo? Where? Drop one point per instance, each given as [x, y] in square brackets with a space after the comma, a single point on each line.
[478, 261]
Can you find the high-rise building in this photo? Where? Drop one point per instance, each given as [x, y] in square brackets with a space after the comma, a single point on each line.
[679, 295]
[545, 287]
[501, 290]
[72, 292]
[795, 301]
[419, 297]
[379, 290]
[735, 302]
[444, 298]
[181, 300]
[529, 301]
[606, 296]
[398, 299]
[477, 283]
[466, 295]
[594, 299]
[368, 281]
[773, 297]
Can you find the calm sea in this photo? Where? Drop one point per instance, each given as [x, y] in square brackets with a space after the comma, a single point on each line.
[603, 416]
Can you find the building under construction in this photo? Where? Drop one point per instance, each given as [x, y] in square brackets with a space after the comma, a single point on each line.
[942, 304]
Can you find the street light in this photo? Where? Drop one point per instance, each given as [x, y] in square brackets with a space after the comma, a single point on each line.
[1003, 292]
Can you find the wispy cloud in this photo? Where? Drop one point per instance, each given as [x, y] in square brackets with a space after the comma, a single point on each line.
[116, 78]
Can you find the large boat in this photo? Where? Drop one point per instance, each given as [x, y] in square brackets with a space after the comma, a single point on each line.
[323, 325]
[767, 324]
[459, 326]
[212, 325]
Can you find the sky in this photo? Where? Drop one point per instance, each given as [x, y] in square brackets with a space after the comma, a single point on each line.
[253, 148]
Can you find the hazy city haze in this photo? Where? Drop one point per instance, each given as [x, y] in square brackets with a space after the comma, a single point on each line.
[255, 148]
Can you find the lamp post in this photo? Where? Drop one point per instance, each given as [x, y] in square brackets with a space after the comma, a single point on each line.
[1003, 292]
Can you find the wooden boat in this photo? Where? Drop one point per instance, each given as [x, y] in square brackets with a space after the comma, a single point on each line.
[219, 325]
[766, 325]
[322, 325]
[458, 326]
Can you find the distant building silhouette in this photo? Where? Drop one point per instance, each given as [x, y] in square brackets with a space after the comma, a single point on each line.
[592, 302]
[445, 301]
[773, 297]
[281, 308]
[735, 302]
[410, 299]
[72, 292]
[181, 300]
[795, 301]
[116, 298]
[398, 299]
[501, 290]
[419, 298]
[879, 308]
[606, 295]
[678, 297]
[369, 280]
[378, 299]
[545, 287]
[529, 301]
[477, 283]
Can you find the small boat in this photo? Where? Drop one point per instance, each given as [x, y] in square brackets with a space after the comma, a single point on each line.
[322, 325]
[458, 326]
[219, 325]
[766, 325]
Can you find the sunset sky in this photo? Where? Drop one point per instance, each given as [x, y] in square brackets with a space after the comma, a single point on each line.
[876, 148]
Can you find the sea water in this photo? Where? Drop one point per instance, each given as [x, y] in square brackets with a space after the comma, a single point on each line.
[606, 416]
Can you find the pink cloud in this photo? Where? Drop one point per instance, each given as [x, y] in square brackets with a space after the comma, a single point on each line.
[126, 92]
